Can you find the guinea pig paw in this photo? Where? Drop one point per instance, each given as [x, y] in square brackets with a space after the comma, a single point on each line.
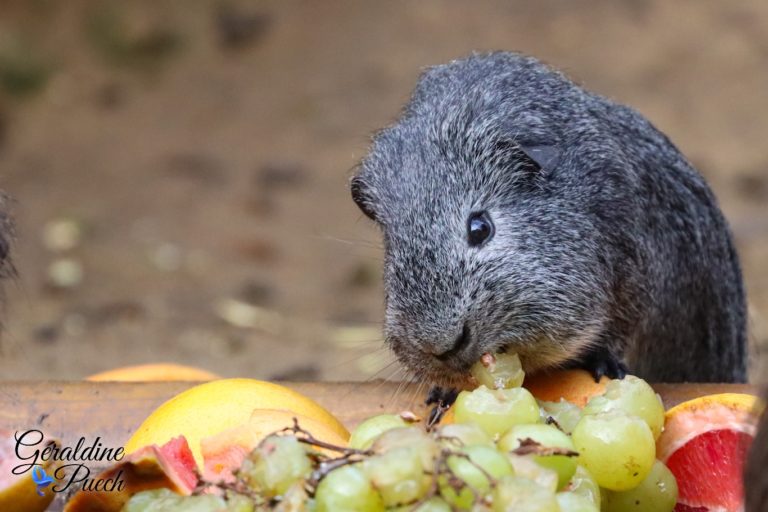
[441, 396]
[602, 362]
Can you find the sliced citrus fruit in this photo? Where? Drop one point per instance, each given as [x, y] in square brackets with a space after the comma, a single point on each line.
[576, 386]
[19, 493]
[225, 451]
[208, 409]
[170, 466]
[153, 372]
[705, 443]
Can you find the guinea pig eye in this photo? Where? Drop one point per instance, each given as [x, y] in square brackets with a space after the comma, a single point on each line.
[480, 228]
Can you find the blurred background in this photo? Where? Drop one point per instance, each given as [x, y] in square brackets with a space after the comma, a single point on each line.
[178, 169]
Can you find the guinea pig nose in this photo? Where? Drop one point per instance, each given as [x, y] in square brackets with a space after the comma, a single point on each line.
[461, 341]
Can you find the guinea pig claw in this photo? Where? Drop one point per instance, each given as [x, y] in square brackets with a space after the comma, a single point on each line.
[602, 362]
[442, 400]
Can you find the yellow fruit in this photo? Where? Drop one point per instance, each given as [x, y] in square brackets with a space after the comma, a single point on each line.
[19, 493]
[210, 408]
[225, 451]
[153, 372]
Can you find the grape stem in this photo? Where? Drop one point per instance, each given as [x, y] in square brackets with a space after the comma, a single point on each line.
[325, 464]
[238, 487]
[308, 438]
[528, 446]
[456, 483]
[552, 421]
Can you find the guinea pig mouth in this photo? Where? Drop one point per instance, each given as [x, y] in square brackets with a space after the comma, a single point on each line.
[429, 368]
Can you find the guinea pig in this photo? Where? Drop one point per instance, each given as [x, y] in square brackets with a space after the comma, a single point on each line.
[521, 212]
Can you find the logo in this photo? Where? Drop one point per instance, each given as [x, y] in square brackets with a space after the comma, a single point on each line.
[41, 478]
[71, 469]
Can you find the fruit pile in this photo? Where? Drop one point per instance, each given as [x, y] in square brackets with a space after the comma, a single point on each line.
[562, 443]
[498, 448]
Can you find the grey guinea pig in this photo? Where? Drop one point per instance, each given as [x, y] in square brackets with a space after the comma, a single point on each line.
[521, 212]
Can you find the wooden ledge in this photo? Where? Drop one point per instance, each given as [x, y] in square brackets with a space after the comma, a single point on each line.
[113, 410]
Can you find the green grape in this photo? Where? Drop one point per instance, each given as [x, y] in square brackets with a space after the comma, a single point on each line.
[434, 504]
[347, 489]
[570, 502]
[498, 371]
[165, 500]
[564, 413]
[155, 500]
[633, 396]
[548, 437]
[481, 460]
[295, 499]
[457, 435]
[525, 466]
[398, 475]
[366, 432]
[617, 449]
[409, 437]
[496, 411]
[518, 494]
[585, 486]
[274, 465]
[240, 503]
[657, 493]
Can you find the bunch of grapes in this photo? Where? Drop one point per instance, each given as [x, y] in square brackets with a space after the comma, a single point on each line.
[504, 452]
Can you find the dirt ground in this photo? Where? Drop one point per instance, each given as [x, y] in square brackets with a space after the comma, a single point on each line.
[178, 170]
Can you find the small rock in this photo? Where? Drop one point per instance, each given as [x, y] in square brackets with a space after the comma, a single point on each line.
[60, 235]
[248, 316]
[65, 273]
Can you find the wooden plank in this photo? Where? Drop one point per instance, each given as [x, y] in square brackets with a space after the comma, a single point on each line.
[69, 410]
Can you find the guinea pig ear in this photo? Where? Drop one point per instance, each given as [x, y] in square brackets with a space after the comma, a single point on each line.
[361, 197]
[546, 157]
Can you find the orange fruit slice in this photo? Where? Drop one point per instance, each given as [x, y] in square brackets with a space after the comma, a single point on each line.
[208, 409]
[705, 443]
[576, 386]
[153, 372]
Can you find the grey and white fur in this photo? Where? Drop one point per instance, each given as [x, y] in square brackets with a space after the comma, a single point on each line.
[608, 248]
